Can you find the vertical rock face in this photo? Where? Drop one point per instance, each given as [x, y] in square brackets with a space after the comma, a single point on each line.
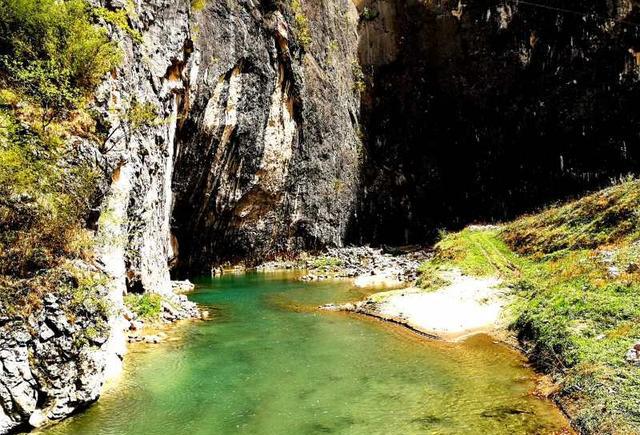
[481, 110]
[52, 365]
[267, 150]
[56, 361]
[221, 119]
[140, 106]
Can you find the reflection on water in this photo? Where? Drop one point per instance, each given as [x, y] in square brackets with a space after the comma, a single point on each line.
[270, 364]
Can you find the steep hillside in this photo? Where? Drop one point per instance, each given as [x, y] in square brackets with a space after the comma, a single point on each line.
[574, 273]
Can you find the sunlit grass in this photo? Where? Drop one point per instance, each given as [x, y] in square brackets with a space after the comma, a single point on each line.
[575, 279]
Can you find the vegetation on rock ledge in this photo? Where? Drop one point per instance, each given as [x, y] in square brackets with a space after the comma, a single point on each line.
[52, 56]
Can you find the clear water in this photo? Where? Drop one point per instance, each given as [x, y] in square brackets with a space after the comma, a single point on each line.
[268, 363]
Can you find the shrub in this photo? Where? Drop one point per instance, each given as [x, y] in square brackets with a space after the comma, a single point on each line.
[147, 306]
[42, 203]
[51, 58]
[359, 84]
[325, 262]
[51, 51]
[120, 19]
[198, 5]
[302, 32]
[369, 14]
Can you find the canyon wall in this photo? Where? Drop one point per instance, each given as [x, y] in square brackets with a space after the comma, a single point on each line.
[267, 153]
[56, 361]
[234, 132]
[230, 133]
[480, 110]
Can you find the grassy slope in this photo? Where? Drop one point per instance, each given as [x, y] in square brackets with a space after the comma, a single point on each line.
[574, 270]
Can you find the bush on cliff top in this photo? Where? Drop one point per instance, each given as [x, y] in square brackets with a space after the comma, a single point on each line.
[52, 56]
[52, 52]
[147, 306]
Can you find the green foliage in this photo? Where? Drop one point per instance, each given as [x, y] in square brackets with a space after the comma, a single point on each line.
[51, 58]
[302, 31]
[120, 19]
[87, 292]
[369, 14]
[474, 251]
[42, 203]
[198, 5]
[46, 85]
[325, 262]
[576, 289]
[147, 306]
[359, 84]
[141, 115]
[52, 53]
[578, 302]
[332, 52]
[80, 293]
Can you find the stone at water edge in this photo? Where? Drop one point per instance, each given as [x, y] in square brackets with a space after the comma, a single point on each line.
[136, 325]
[38, 419]
[184, 286]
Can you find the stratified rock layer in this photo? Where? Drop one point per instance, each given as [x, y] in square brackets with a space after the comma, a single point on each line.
[267, 154]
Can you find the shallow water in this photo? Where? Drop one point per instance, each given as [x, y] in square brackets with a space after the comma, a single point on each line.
[269, 364]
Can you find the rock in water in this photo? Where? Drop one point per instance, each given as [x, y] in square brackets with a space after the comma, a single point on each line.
[184, 286]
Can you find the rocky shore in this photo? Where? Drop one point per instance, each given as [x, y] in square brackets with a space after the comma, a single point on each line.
[367, 266]
[57, 360]
[464, 305]
[174, 308]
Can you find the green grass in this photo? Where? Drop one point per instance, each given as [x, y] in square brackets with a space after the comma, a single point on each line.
[147, 306]
[608, 217]
[323, 262]
[575, 277]
[477, 252]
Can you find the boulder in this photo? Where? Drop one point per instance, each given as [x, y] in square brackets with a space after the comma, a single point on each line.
[184, 286]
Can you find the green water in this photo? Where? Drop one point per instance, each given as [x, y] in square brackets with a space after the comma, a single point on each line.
[269, 364]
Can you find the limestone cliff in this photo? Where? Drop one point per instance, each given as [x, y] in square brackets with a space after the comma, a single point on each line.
[267, 151]
[50, 368]
[234, 126]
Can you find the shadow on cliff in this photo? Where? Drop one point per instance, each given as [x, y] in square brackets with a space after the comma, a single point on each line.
[485, 110]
